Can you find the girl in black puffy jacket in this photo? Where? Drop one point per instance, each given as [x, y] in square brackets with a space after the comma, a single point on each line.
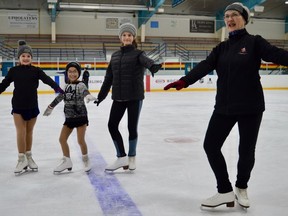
[125, 74]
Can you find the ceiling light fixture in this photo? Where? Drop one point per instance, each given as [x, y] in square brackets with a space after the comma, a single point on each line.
[286, 2]
[79, 6]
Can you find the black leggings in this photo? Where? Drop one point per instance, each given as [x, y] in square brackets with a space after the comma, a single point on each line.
[218, 129]
[116, 114]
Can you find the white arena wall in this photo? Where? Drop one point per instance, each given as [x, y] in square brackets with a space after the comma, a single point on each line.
[157, 83]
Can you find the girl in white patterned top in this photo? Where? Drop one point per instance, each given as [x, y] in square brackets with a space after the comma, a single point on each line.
[75, 115]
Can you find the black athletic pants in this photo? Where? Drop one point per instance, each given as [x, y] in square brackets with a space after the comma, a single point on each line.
[116, 113]
[218, 129]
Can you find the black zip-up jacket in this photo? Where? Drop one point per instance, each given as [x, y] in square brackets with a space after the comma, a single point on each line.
[125, 73]
[26, 81]
[237, 62]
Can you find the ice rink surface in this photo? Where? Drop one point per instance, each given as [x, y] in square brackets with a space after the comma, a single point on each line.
[172, 175]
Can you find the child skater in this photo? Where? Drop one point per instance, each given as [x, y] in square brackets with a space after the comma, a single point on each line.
[125, 74]
[25, 102]
[75, 116]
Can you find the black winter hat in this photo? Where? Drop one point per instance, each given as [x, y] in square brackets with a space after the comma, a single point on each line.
[73, 64]
[23, 48]
[243, 10]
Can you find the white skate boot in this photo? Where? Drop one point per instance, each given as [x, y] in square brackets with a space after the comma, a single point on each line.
[242, 197]
[86, 161]
[31, 163]
[22, 163]
[120, 162]
[132, 163]
[66, 163]
[220, 199]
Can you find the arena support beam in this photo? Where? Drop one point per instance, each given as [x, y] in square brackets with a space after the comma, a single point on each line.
[220, 14]
[144, 16]
[52, 5]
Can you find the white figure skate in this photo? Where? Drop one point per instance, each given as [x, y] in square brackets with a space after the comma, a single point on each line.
[120, 162]
[31, 163]
[22, 164]
[86, 162]
[220, 199]
[66, 163]
[132, 163]
[242, 197]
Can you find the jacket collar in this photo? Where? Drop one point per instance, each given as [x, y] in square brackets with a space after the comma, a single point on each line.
[127, 48]
[237, 33]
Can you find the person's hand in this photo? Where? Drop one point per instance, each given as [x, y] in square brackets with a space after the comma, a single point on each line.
[97, 102]
[154, 68]
[48, 111]
[89, 98]
[179, 84]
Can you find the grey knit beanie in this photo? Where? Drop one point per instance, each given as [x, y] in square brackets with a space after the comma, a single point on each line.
[127, 27]
[23, 48]
[242, 9]
[73, 64]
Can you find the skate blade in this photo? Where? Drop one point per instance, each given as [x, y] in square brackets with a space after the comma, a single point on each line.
[33, 169]
[243, 206]
[229, 204]
[21, 172]
[87, 171]
[59, 172]
[124, 168]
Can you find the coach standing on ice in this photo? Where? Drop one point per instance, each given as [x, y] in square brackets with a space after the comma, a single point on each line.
[239, 100]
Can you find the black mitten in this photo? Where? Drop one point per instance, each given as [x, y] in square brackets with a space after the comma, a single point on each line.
[154, 68]
[98, 101]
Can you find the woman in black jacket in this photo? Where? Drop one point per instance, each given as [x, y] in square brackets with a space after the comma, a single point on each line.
[239, 99]
[125, 74]
[25, 102]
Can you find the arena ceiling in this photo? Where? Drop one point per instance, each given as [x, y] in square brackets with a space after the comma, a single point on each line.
[273, 9]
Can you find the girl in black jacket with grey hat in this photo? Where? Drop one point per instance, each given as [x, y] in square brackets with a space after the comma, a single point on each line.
[125, 74]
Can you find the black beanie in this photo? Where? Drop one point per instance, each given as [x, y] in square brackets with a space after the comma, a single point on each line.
[243, 10]
[73, 64]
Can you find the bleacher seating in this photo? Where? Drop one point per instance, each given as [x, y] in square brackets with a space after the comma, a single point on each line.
[91, 46]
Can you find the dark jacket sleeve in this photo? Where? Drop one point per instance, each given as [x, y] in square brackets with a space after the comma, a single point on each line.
[5, 82]
[105, 88]
[270, 53]
[145, 61]
[202, 68]
[47, 80]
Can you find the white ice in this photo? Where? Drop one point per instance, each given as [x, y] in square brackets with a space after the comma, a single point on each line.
[172, 175]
